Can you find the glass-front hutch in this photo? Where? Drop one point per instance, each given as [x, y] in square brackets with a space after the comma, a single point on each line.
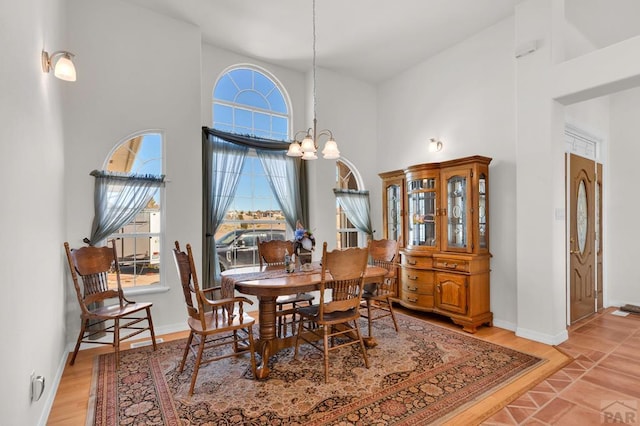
[446, 260]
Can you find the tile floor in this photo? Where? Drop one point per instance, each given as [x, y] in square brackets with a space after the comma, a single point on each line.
[601, 385]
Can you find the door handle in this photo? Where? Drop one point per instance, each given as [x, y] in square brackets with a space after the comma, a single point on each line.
[572, 243]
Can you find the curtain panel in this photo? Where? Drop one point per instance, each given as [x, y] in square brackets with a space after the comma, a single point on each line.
[357, 208]
[118, 198]
[223, 156]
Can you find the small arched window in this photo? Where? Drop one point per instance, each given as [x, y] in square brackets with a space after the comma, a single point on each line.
[347, 178]
[139, 243]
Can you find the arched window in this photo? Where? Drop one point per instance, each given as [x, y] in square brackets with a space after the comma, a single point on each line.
[139, 243]
[347, 178]
[249, 101]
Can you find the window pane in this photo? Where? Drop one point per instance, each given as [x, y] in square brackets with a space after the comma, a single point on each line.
[139, 251]
[263, 84]
[243, 118]
[253, 99]
[280, 125]
[277, 102]
[262, 121]
[225, 90]
[222, 114]
[243, 78]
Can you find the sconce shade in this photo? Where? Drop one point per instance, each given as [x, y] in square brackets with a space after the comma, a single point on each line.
[435, 145]
[61, 63]
[64, 69]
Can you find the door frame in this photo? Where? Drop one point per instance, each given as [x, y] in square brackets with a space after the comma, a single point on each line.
[583, 144]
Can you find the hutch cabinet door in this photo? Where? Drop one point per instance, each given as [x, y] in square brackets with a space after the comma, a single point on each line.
[393, 193]
[422, 205]
[456, 211]
[451, 292]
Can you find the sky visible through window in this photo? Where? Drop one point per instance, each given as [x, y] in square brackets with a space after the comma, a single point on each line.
[245, 101]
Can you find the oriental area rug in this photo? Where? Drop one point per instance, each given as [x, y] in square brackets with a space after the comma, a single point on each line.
[423, 374]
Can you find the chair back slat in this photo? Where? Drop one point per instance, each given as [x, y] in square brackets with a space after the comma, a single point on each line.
[95, 283]
[384, 250]
[272, 252]
[343, 272]
[386, 254]
[189, 281]
[95, 268]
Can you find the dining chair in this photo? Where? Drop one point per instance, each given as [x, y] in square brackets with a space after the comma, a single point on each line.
[212, 323]
[272, 253]
[103, 306]
[376, 298]
[343, 274]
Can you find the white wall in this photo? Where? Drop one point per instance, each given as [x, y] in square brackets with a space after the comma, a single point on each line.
[32, 168]
[465, 97]
[348, 108]
[137, 70]
[621, 240]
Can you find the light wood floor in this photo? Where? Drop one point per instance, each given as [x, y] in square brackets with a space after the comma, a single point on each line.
[70, 404]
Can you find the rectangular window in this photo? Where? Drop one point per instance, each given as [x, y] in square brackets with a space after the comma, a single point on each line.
[138, 246]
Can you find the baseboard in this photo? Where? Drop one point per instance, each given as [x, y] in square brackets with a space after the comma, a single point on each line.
[547, 339]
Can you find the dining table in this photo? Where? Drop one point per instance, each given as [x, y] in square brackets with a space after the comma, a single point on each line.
[269, 282]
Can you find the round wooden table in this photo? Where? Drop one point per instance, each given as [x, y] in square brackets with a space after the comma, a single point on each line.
[267, 284]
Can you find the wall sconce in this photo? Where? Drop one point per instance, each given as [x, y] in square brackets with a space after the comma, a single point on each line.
[435, 145]
[61, 64]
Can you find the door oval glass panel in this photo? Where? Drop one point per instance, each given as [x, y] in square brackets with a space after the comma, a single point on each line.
[581, 217]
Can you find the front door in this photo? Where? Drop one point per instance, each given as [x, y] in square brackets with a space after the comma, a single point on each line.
[582, 237]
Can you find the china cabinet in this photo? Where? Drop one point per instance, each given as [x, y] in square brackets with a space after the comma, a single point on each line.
[446, 261]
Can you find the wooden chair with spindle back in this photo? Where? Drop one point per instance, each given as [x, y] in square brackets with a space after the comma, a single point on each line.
[271, 253]
[343, 272]
[212, 323]
[97, 269]
[376, 299]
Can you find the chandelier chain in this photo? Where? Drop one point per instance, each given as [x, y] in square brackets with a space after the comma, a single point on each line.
[314, 65]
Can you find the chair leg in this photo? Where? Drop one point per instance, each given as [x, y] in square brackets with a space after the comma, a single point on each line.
[116, 341]
[326, 353]
[300, 325]
[364, 350]
[279, 324]
[253, 352]
[369, 320]
[196, 367]
[83, 327]
[153, 334]
[186, 351]
[393, 315]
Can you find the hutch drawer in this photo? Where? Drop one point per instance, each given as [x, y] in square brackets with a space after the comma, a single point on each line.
[451, 264]
[416, 261]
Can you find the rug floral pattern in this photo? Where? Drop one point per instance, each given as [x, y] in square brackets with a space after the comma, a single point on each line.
[417, 376]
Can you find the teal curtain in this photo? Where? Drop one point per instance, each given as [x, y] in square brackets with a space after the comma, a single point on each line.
[222, 163]
[118, 198]
[223, 156]
[283, 174]
[357, 208]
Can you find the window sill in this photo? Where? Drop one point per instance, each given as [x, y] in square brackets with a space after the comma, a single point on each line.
[147, 289]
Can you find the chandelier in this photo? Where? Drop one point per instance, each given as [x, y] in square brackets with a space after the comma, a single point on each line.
[308, 147]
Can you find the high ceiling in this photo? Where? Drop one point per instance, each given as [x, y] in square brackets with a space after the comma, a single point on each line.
[371, 40]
